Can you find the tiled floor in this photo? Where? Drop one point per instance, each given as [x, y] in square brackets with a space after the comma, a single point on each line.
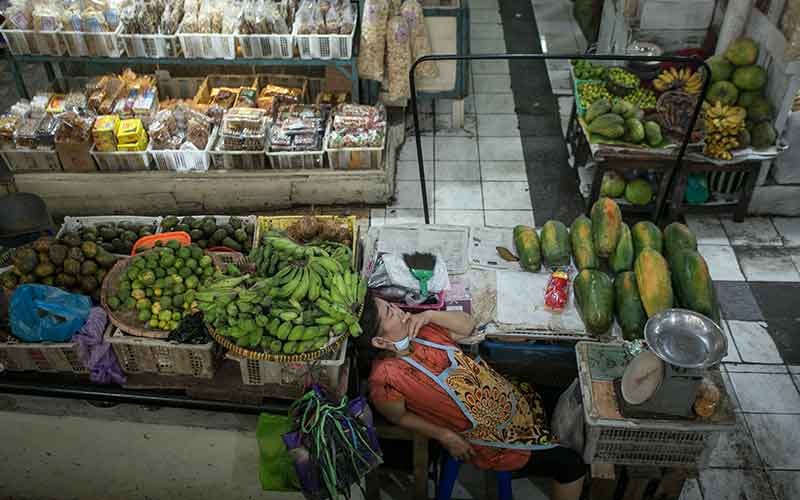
[486, 175]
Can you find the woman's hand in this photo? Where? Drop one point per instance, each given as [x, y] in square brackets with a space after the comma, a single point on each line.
[415, 323]
[457, 446]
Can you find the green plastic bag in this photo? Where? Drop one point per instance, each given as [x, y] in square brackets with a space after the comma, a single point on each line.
[277, 470]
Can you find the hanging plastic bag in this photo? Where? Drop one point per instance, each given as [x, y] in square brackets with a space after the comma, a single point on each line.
[276, 470]
[567, 421]
[95, 353]
[398, 59]
[41, 313]
[420, 42]
[373, 39]
[390, 270]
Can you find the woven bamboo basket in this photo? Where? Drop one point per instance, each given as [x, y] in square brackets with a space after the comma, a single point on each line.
[125, 320]
[277, 358]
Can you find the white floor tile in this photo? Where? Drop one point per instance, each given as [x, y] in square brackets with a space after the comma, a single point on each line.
[456, 148]
[377, 216]
[734, 484]
[458, 171]
[794, 369]
[721, 262]
[753, 231]
[494, 104]
[409, 195]
[491, 84]
[789, 229]
[754, 368]
[409, 149]
[488, 45]
[786, 484]
[765, 265]
[509, 218]
[776, 437]
[498, 125]
[754, 343]
[490, 68]
[455, 195]
[406, 216]
[565, 106]
[708, 229]
[733, 353]
[486, 31]
[557, 65]
[561, 82]
[409, 170]
[484, 4]
[503, 171]
[506, 196]
[735, 449]
[691, 490]
[460, 217]
[482, 16]
[500, 149]
[558, 42]
[766, 393]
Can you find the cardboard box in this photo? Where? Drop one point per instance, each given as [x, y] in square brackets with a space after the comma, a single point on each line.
[76, 157]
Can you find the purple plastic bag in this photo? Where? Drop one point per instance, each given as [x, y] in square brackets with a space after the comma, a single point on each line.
[94, 353]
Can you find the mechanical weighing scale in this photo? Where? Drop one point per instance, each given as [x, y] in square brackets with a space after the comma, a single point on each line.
[664, 380]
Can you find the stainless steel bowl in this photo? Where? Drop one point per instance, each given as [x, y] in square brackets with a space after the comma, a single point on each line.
[685, 338]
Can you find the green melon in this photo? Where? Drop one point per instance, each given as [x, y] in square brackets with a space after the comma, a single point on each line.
[638, 192]
[750, 78]
[742, 52]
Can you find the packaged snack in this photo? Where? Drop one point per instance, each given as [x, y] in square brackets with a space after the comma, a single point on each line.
[556, 293]
[398, 59]
[104, 133]
[21, 108]
[129, 131]
[74, 128]
[246, 98]
[373, 39]
[39, 104]
[75, 101]
[420, 43]
[46, 131]
[56, 104]
[198, 129]
[8, 125]
[25, 134]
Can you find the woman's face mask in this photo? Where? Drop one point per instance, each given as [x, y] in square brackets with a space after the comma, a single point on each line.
[402, 344]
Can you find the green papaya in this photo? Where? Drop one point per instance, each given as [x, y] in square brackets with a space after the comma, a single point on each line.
[528, 248]
[555, 244]
[580, 233]
[646, 235]
[634, 131]
[630, 311]
[678, 237]
[652, 132]
[654, 282]
[594, 296]
[608, 125]
[598, 108]
[606, 226]
[622, 258]
[694, 287]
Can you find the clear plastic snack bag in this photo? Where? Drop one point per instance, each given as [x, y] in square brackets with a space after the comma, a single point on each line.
[373, 39]
[398, 59]
[420, 42]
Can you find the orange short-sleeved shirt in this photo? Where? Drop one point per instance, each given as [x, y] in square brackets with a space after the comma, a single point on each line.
[393, 379]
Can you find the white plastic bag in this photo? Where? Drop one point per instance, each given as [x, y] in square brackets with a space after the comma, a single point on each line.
[567, 423]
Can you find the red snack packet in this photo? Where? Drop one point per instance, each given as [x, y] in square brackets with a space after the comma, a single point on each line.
[556, 294]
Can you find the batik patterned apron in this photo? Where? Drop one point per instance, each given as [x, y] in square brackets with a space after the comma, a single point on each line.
[500, 415]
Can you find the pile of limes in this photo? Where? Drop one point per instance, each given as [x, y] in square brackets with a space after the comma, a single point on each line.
[623, 78]
[590, 92]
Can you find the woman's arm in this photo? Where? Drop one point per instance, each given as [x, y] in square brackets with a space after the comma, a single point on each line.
[396, 413]
[458, 323]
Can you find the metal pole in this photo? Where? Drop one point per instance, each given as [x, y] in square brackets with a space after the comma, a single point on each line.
[694, 61]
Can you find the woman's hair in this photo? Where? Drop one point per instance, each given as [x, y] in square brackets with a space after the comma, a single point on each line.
[371, 327]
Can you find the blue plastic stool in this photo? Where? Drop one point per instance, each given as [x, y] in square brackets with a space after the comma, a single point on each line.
[448, 473]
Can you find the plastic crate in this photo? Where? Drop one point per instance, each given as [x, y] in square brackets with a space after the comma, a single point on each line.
[86, 44]
[31, 160]
[288, 380]
[292, 160]
[152, 46]
[355, 158]
[203, 95]
[182, 160]
[266, 46]
[296, 81]
[121, 161]
[280, 222]
[41, 357]
[325, 46]
[237, 160]
[144, 355]
[207, 46]
[651, 442]
[30, 42]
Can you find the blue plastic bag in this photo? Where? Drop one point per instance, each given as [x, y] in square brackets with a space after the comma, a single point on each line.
[41, 313]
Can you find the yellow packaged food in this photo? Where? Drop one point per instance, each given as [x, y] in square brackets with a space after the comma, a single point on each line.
[139, 145]
[104, 133]
[130, 131]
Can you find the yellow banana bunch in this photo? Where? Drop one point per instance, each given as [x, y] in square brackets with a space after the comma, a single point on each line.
[723, 125]
[679, 79]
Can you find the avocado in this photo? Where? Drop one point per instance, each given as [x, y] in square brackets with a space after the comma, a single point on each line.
[240, 235]
[232, 244]
[235, 222]
[108, 233]
[88, 284]
[130, 236]
[88, 267]
[89, 249]
[58, 253]
[42, 244]
[105, 259]
[44, 269]
[71, 239]
[185, 228]
[169, 222]
[196, 235]
[25, 260]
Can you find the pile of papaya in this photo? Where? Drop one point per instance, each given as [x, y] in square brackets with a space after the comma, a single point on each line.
[630, 273]
[622, 121]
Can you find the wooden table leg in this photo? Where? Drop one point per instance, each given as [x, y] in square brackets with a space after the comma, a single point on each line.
[747, 192]
[676, 204]
[637, 481]
[603, 482]
[420, 467]
[671, 484]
